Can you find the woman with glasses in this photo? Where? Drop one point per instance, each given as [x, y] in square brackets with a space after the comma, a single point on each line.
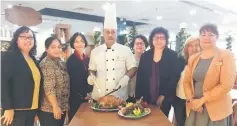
[139, 44]
[158, 72]
[209, 77]
[20, 80]
[77, 66]
[54, 104]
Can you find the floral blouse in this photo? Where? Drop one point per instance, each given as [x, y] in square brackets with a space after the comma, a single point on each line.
[56, 81]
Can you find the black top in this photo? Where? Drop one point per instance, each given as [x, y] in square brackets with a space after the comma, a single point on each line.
[78, 76]
[170, 69]
[17, 83]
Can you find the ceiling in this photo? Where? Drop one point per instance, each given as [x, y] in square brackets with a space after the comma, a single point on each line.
[170, 14]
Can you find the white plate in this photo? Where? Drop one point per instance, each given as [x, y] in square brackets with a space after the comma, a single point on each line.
[148, 111]
[104, 110]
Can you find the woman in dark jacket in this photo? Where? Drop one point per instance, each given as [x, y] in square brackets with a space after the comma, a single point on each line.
[158, 72]
[21, 78]
[77, 66]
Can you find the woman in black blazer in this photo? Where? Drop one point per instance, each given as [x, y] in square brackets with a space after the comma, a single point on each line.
[158, 72]
[77, 66]
[21, 79]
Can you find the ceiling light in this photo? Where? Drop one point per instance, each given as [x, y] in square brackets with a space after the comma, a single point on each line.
[194, 25]
[5, 26]
[105, 6]
[159, 18]
[212, 21]
[218, 12]
[183, 25]
[9, 6]
[192, 12]
[138, 1]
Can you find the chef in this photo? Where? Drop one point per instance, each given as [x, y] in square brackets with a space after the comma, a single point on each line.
[111, 64]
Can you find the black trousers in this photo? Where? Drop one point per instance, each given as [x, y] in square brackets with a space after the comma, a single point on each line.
[166, 106]
[180, 111]
[22, 118]
[47, 119]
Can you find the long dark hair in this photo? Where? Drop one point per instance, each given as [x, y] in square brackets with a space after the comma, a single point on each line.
[47, 43]
[14, 46]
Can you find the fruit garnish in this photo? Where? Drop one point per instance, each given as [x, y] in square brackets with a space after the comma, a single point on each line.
[144, 104]
[137, 112]
[129, 104]
[120, 107]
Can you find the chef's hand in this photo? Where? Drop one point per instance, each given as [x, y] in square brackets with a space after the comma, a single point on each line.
[123, 82]
[91, 79]
[160, 100]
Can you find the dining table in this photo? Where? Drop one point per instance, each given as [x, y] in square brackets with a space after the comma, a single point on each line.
[86, 116]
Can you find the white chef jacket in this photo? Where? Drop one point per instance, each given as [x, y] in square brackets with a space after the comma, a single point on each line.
[110, 65]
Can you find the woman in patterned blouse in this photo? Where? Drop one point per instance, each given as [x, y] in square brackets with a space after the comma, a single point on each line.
[56, 85]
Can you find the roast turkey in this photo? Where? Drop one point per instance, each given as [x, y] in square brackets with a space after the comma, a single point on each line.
[110, 101]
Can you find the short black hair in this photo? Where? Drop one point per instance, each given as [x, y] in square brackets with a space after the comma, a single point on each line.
[47, 43]
[14, 46]
[144, 39]
[73, 38]
[209, 27]
[158, 30]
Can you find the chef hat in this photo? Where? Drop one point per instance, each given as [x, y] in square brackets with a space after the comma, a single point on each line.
[110, 20]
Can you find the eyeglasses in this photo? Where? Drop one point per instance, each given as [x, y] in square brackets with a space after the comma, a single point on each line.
[139, 43]
[25, 37]
[158, 38]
